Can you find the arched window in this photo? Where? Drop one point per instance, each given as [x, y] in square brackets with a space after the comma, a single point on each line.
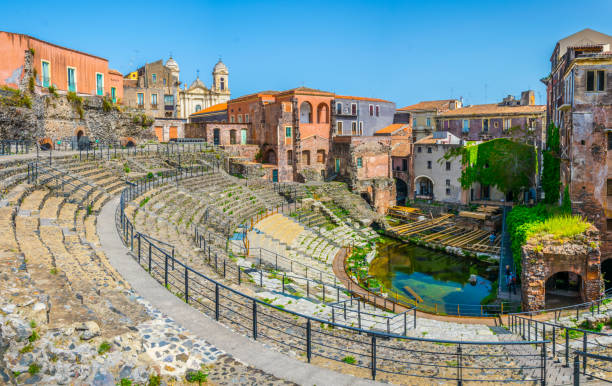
[305, 113]
[198, 108]
[322, 113]
[222, 84]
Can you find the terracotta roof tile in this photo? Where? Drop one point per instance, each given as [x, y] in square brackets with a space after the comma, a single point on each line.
[428, 105]
[429, 140]
[212, 109]
[400, 149]
[392, 128]
[494, 109]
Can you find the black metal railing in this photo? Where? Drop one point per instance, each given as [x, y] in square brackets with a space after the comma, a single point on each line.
[599, 368]
[565, 341]
[380, 354]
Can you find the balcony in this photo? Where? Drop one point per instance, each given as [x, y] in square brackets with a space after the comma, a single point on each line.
[169, 107]
[140, 106]
[154, 106]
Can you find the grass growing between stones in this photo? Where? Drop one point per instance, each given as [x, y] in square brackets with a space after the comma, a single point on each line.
[104, 348]
[563, 226]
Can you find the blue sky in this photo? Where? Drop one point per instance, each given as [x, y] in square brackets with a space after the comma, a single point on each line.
[400, 51]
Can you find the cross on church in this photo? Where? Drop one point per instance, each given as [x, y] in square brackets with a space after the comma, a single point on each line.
[197, 73]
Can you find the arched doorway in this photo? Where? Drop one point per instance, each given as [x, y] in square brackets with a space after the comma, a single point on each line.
[401, 191]
[82, 141]
[424, 187]
[270, 157]
[563, 289]
[45, 144]
[232, 137]
[305, 113]
[606, 272]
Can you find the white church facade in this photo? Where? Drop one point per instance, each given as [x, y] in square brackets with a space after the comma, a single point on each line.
[197, 96]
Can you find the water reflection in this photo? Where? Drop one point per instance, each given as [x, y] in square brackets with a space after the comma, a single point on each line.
[434, 276]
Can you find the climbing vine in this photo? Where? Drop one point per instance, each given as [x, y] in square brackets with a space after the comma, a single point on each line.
[507, 165]
[551, 173]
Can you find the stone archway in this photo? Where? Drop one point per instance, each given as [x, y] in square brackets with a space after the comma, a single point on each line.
[270, 157]
[423, 186]
[305, 112]
[564, 289]
[544, 258]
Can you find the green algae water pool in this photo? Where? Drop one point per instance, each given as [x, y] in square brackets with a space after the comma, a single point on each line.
[440, 279]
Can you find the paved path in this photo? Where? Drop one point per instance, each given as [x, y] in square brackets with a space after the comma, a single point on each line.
[379, 301]
[240, 347]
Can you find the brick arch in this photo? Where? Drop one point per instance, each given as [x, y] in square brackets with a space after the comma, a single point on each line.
[45, 143]
[128, 142]
[306, 112]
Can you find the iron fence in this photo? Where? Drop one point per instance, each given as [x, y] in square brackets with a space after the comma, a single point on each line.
[600, 367]
[372, 353]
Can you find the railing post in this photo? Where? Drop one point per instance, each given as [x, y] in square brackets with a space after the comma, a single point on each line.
[566, 347]
[584, 349]
[459, 366]
[186, 285]
[308, 340]
[149, 257]
[543, 362]
[405, 324]
[216, 301]
[554, 340]
[254, 319]
[576, 370]
[166, 270]
[415, 310]
[374, 357]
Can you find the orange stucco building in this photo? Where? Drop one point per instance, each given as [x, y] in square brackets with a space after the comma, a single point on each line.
[63, 68]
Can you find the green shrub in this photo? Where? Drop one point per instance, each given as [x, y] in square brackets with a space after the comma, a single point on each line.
[551, 167]
[150, 175]
[34, 368]
[196, 376]
[154, 380]
[53, 91]
[126, 169]
[566, 204]
[34, 337]
[76, 101]
[125, 382]
[104, 347]
[349, 359]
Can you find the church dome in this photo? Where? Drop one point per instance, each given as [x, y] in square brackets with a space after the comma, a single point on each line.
[197, 83]
[172, 64]
[220, 67]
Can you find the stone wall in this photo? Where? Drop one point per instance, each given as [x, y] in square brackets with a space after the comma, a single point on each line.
[544, 256]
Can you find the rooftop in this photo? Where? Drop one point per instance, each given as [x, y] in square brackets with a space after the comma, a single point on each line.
[392, 128]
[212, 109]
[429, 105]
[362, 98]
[494, 108]
[585, 38]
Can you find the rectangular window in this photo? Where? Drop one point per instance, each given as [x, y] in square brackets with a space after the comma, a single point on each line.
[72, 79]
[99, 84]
[338, 108]
[590, 86]
[232, 119]
[289, 157]
[288, 131]
[419, 149]
[354, 109]
[164, 81]
[359, 163]
[239, 118]
[466, 126]
[114, 94]
[448, 191]
[246, 118]
[428, 164]
[601, 80]
[414, 122]
[360, 127]
[46, 73]
[429, 150]
[507, 124]
[371, 110]
[353, 128]
[154, 100]
[448, 165]
[154, 78]
[485, 125]
[378, 111]
[169, 100]
[447, 182]
[140, 98]
[446, 123]
[428, 122]
[339, 127]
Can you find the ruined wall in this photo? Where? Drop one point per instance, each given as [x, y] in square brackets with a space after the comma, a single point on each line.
[544, 256]
[56, 118]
